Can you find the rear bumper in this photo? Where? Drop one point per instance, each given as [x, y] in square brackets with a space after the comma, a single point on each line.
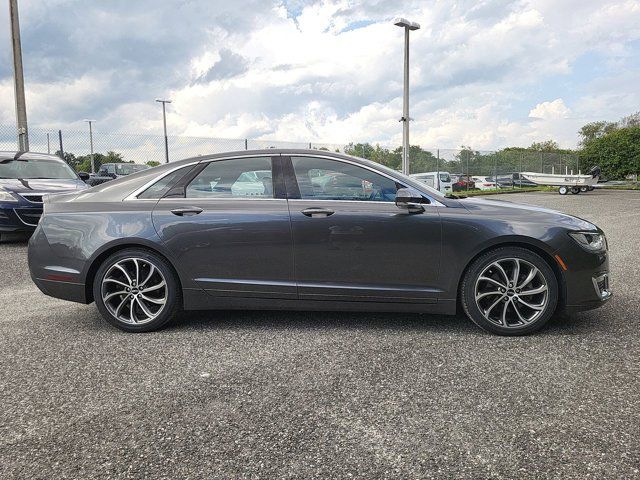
[53, 280]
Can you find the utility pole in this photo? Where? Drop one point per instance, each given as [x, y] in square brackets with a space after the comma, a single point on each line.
[164, 122]
[18, 79]
[408, 26]
[93, 165]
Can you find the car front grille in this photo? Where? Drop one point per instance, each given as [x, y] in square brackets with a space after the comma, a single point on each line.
[29, 216]
[32, 197]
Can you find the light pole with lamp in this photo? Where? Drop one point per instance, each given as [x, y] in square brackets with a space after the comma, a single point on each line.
[164, 122]
[408, 26]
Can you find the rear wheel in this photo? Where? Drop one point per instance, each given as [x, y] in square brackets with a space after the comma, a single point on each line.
[584, 189]
[563, 190]
[509, 291]
[137, 291]
[575, 190]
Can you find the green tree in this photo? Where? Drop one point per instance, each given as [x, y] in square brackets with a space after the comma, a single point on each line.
[594, 130]
[617, 152]
[153, 163]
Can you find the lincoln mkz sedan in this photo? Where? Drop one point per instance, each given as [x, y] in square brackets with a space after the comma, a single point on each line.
[310, 230]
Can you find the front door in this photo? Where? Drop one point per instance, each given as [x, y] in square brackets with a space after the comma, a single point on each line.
[351, 242]
[230, 235]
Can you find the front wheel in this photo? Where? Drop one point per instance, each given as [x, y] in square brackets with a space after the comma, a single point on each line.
[137, 291]
[509, 291]
[563, 190]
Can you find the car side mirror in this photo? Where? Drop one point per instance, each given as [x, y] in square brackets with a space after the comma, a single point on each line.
[84, 176]
[410, 200]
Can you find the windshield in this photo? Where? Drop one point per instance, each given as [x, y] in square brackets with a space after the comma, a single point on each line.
[47, 169]
[444, 177]
[129, 168]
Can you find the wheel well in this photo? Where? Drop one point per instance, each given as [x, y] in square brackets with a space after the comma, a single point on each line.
[545, 256]
[93, 269]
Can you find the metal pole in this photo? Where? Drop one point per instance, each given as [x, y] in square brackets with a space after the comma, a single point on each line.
[61, 149]
[18, 79]
[468, 175]
[93, 165]
[246, 144]
[438, 168]
[48, 144]
[166, 139]
[405, 106]
[164, 124]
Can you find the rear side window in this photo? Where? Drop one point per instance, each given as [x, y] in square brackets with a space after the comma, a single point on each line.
[234, 178]
[162, 186]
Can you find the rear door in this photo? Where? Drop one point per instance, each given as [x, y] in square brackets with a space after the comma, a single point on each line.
[351, 242]
[227, 224]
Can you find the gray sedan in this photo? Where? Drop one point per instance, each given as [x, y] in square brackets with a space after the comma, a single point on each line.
[310, 230]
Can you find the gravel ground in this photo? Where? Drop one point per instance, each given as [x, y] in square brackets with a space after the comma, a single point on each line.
[325, 395]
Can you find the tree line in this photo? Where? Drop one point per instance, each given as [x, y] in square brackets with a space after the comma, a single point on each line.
[614, 146]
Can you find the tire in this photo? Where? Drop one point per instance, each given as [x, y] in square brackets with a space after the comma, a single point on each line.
[154, 292]
[575, 190]
[591, 188]
[563, 190]
[524, 313]
[584, 189]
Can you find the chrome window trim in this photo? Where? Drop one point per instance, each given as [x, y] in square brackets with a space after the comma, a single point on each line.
[433, 201]
[138, 191]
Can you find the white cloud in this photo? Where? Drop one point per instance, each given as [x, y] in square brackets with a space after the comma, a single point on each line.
[550, 110]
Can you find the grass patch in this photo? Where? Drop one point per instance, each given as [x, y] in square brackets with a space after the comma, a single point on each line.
[475, 193]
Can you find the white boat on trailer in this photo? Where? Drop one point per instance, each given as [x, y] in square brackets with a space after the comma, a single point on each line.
[566, 183]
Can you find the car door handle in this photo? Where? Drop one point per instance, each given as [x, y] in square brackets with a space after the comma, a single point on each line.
[317, 212]
[187, 211]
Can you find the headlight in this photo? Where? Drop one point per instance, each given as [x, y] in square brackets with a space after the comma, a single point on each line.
[7, 196]
[590, 241]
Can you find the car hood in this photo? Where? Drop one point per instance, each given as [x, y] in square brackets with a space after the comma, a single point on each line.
[525, 213]
[41, 185]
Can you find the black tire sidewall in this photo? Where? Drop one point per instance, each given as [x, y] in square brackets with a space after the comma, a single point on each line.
[174, 294]
[467, 294]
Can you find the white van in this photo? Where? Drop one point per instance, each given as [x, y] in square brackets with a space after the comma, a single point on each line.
[439, 180]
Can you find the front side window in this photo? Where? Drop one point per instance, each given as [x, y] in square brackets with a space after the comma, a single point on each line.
[234, 178]
[444, 177]
[324, 179]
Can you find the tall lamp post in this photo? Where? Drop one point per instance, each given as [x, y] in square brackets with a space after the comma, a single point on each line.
[18, 79]
[164, 122]
[408, 26]
[93, 165]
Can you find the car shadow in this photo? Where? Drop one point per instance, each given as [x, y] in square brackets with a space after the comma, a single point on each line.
[559, 324]
[312, 320]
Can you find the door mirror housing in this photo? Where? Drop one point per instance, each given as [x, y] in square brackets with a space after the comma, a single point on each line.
[84, 176]
[410, 200]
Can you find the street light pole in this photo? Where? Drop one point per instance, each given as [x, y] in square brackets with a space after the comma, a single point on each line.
[408, 26]
[164, 122]
[18, 79]
[93, 165]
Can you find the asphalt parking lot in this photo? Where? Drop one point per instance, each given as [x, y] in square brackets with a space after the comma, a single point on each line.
[325, 395]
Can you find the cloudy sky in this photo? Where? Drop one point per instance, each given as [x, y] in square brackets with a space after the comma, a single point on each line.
[484, 73]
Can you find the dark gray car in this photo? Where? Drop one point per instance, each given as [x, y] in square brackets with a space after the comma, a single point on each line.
[310, 230]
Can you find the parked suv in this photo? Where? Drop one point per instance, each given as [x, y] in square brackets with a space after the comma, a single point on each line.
[24, 179]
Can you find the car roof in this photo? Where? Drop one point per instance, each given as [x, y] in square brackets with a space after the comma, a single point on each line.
[7, 154]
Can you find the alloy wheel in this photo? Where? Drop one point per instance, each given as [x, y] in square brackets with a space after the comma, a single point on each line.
[511, 292]
[134, 291]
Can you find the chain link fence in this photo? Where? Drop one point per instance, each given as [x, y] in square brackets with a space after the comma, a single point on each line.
[141, 148]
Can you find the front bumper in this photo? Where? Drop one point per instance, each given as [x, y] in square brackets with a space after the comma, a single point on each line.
[19, 218]
[586, 280]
